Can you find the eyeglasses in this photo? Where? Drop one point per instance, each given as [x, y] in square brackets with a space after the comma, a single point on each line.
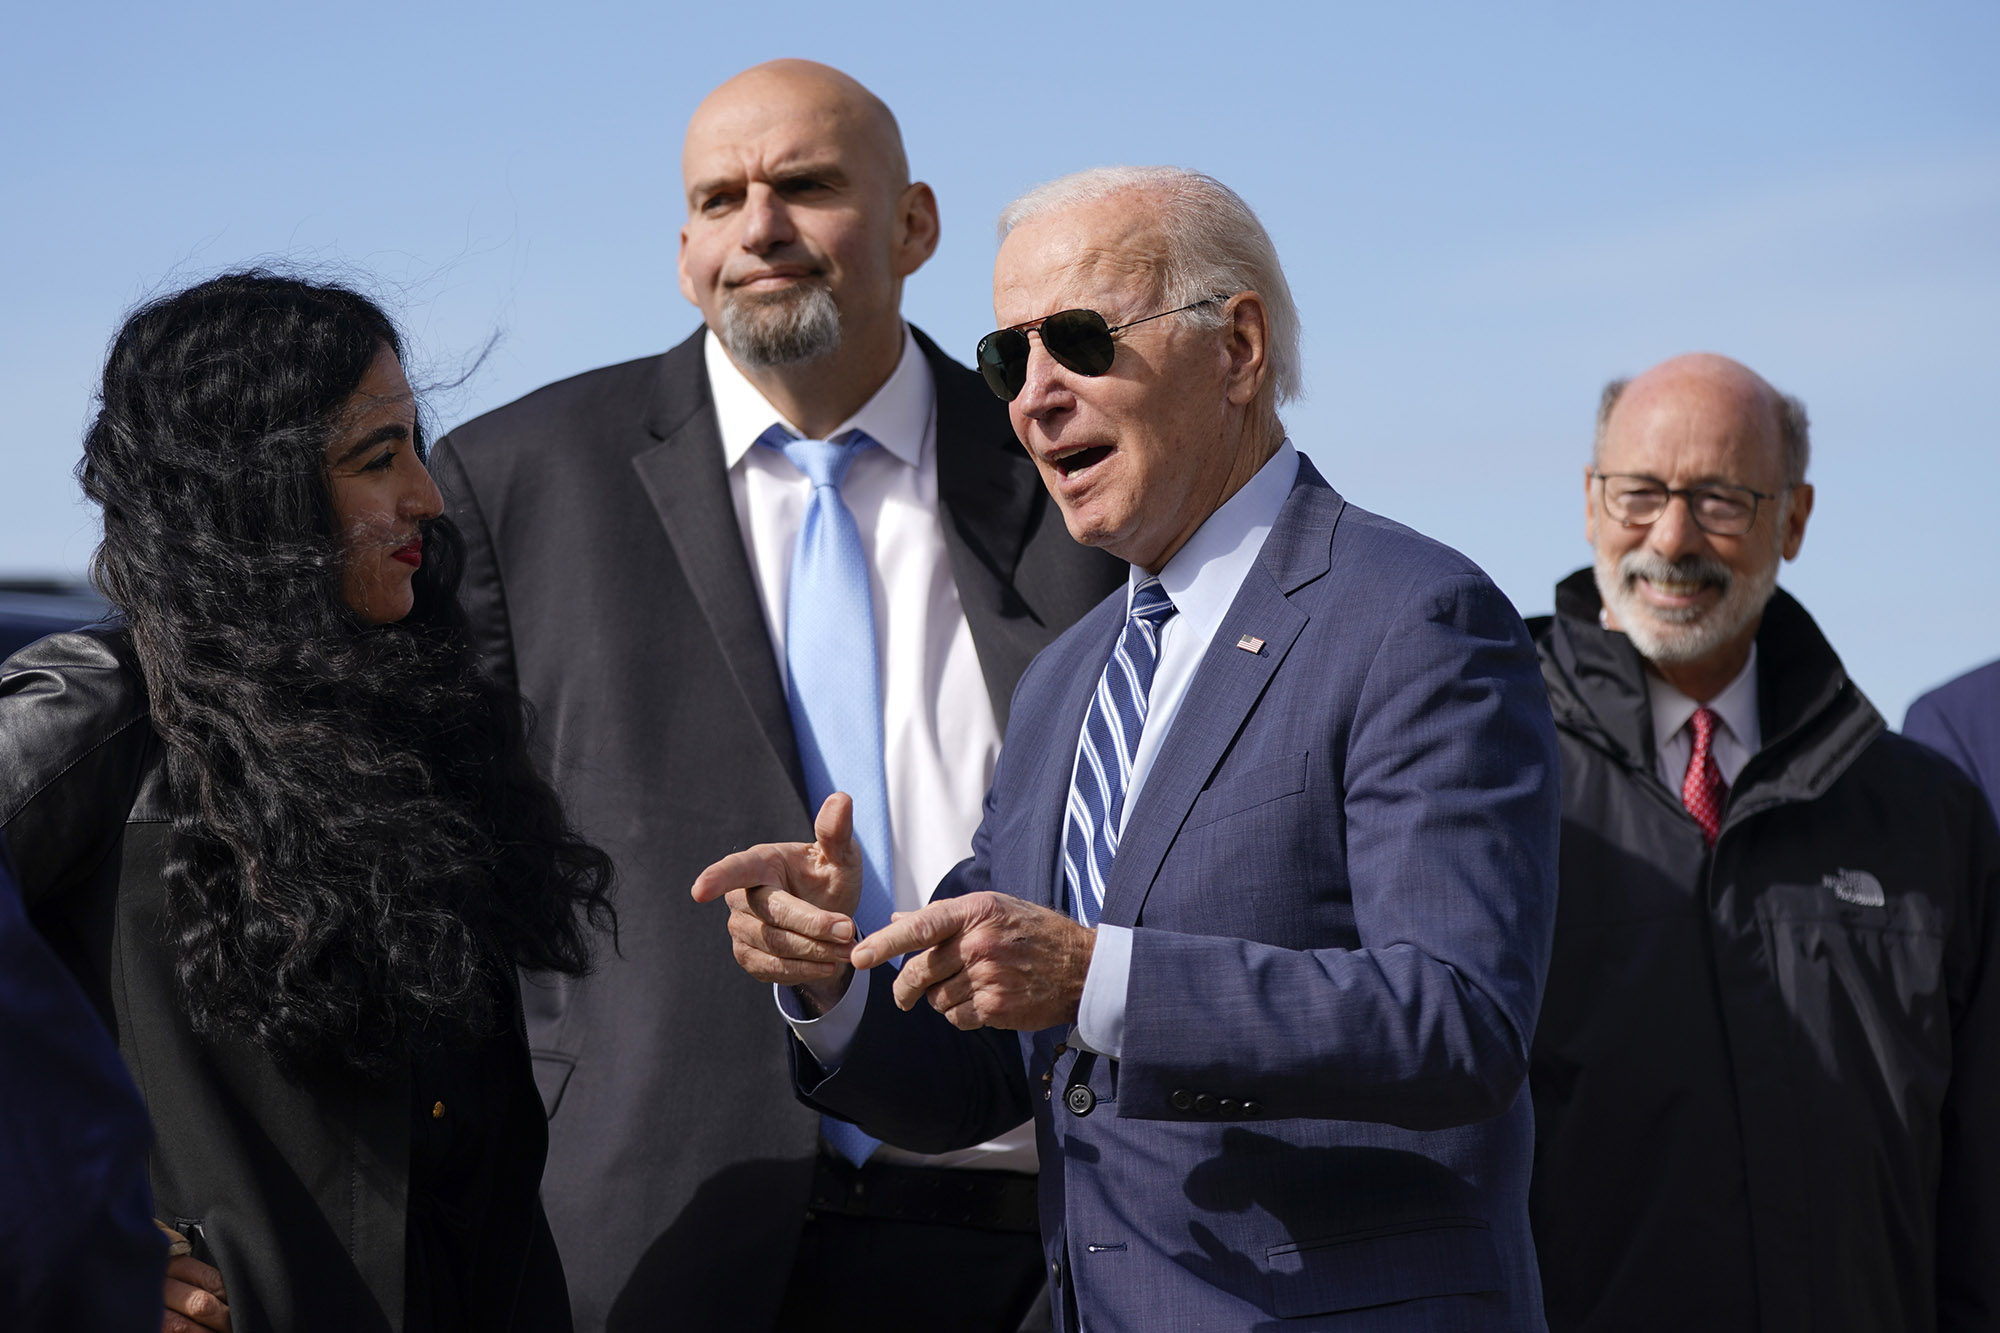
[1077, 339]
[1719, 510]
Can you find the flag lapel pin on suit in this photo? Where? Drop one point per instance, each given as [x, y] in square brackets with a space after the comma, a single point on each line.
[1250, 643]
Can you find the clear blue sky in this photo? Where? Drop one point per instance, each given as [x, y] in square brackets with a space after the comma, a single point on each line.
[1485, 211]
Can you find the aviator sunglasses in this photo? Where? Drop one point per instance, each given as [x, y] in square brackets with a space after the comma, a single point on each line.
[1078, 339]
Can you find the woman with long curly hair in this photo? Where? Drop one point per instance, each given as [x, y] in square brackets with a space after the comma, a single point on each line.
[289, 836]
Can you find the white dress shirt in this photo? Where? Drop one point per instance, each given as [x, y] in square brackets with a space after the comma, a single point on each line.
[1739, 736]
[1202, 578]
[939, 735]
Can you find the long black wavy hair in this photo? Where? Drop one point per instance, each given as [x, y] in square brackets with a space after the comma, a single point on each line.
[357, 827]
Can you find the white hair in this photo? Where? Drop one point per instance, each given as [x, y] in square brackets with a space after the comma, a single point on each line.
[1215, 246]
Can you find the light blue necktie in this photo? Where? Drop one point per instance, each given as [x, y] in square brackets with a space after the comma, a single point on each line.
[1111, 731]
[834, 684]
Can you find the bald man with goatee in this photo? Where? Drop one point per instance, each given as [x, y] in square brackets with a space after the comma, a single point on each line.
[801, 550]
[1767, 1072]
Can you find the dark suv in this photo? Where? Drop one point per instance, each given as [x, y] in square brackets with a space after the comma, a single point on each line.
[32, 608]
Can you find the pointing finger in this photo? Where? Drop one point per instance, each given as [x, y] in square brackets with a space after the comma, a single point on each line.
[770, 863]
[919, 930]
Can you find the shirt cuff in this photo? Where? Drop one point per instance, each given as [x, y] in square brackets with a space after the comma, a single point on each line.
[1100, 1017]
[829, 1035]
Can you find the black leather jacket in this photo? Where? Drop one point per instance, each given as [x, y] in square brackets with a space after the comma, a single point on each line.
[297, 1187]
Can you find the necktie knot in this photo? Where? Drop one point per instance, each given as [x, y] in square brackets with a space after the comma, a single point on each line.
[1703, 722]
[1150, 602]
[825, 462]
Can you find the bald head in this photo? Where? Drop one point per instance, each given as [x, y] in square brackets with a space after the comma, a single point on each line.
[1717, 388]
[802, 225]
[807, 93]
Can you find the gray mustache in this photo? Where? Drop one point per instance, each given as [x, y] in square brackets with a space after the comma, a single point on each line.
[1638, 565]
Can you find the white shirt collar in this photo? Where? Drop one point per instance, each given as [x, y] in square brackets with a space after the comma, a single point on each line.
[1205, 574]
[898, 417]
[1736, 706]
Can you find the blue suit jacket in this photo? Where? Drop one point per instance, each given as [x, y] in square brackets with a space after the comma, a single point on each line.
[1341, 875]
[1961, 721]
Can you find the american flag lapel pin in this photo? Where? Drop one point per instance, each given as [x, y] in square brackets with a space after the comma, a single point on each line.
[1250, 643]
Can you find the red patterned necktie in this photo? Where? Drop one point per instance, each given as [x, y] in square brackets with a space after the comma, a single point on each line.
[1703, 791]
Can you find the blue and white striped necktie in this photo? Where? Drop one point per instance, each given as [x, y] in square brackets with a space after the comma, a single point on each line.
[834, 684]
[1111, 731]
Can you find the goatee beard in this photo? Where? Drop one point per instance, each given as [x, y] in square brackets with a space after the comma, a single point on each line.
[782, 329]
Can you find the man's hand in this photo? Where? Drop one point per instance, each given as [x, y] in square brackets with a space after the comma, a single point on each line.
[988, 960]
[791, 905]
[195, 1296]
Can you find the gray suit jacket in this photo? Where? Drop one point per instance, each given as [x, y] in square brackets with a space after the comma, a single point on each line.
[607, 578]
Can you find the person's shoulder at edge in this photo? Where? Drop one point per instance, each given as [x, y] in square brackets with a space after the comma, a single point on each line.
[61, 698]
[1960, 705]
[94, 669]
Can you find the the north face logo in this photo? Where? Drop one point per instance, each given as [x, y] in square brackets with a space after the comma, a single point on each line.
[1855, 886]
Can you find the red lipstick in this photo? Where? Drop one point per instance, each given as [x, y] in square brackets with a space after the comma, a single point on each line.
[411, 554]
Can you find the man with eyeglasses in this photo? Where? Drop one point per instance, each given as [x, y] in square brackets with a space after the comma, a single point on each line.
[1255, 925]
[1767, 1074]
[800, 549]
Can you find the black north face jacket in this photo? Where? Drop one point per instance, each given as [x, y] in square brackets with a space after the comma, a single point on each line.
[1766, 1079]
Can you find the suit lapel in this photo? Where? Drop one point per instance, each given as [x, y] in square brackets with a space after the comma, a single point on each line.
[686, 481]
[988, 493]
[1225, 688]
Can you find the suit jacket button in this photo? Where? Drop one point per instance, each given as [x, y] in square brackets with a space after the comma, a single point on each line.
[1231, 1107]
[1251, 1110]
[1056, 1273]
[1205, 1103]
[1081, 1100]
[1182, 1100]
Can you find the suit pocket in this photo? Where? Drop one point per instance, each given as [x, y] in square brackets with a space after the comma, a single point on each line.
[1260, 786]
[1447, 1257]
[552, 1071]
